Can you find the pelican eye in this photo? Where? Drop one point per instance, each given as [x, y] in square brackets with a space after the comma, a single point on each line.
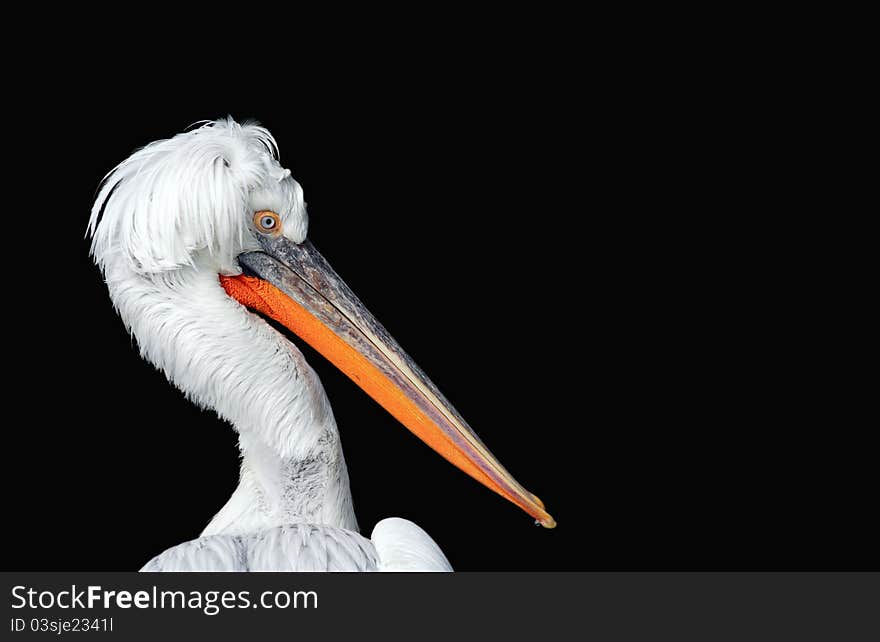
[267, 221]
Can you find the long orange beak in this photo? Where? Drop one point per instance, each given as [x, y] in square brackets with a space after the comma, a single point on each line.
[293, 284]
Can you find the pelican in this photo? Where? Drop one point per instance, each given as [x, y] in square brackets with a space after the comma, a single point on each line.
[201, 236]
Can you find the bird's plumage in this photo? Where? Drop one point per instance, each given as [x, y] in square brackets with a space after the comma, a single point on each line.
[186, 198]
[166, 222]
[395, 545]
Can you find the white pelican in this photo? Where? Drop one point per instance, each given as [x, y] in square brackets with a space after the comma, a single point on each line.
[198, 235]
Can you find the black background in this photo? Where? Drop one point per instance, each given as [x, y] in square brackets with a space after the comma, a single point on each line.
[550, 239]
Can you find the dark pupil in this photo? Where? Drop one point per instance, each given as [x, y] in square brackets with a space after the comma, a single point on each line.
[268, 222]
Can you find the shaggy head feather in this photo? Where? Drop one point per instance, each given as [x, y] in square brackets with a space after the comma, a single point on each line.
[189, 199]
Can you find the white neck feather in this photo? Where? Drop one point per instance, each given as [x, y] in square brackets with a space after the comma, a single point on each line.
[230, 360]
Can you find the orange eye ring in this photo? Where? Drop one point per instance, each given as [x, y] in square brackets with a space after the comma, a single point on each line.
[267, 222]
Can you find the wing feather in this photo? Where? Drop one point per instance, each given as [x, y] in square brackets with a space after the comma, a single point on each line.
[298, 547]
[403, 546]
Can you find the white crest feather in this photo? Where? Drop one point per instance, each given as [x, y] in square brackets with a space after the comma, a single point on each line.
[193, 194]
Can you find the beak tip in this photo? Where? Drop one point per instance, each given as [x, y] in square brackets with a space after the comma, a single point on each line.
[548, 522]
[545, 520]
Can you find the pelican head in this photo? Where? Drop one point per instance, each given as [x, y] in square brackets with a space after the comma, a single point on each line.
[197, 236]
